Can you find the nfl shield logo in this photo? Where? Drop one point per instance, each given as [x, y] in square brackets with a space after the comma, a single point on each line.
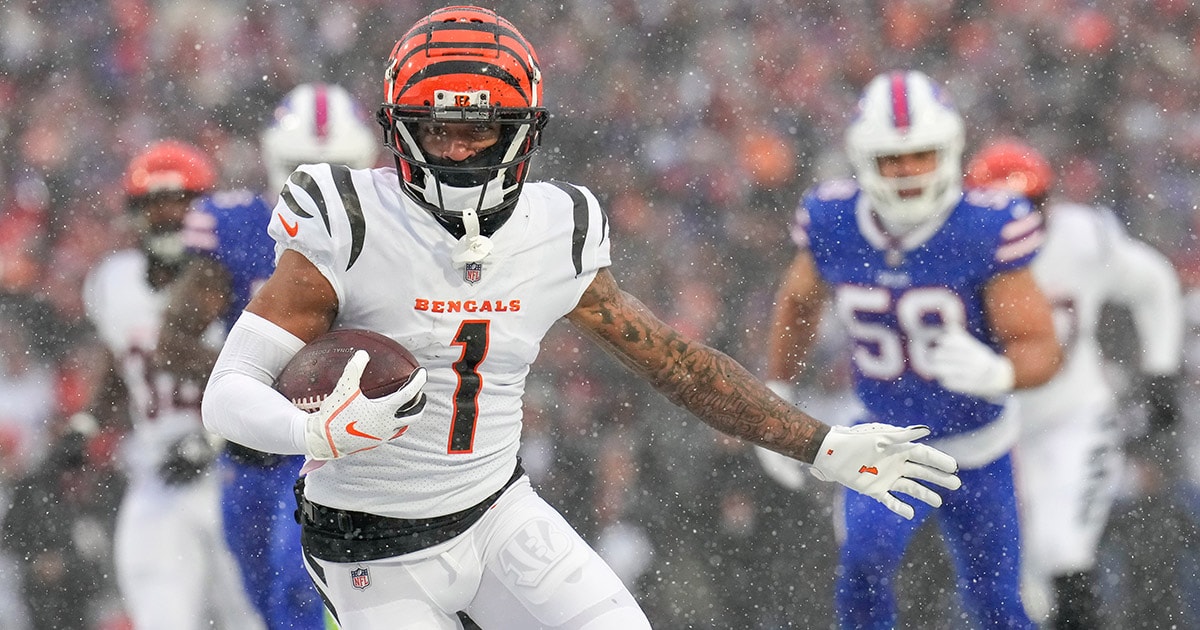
[473, 272]
[361, 578]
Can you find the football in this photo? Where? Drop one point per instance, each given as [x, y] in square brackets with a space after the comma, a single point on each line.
[312, 374]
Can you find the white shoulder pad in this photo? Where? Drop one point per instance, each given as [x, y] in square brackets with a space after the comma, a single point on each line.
[320, 215]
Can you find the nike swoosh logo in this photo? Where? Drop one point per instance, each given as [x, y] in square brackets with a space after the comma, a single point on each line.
[868, 469]
[353, 430]
[290, 229]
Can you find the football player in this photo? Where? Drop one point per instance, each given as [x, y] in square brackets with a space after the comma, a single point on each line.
[1070, 451]
[173, 567]
[453, 254]
[934, 291]
[314, 122]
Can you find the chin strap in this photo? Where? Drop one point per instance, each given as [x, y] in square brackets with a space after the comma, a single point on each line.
[472, 247]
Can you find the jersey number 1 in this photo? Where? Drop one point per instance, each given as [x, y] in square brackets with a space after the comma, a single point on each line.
[472, 336]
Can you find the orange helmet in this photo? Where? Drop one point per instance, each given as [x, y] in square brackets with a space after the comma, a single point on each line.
[1014, 165]
[169, 166]
[463, 65]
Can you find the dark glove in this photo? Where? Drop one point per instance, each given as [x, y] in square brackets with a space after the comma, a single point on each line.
[187, 459]
[1160, 394]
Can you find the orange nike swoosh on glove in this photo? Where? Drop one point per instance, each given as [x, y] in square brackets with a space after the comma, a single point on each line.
[869, 469]
[352, 430]
[290, 229]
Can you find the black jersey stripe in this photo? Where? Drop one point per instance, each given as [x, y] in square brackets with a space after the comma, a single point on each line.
[309, 185]
[580, 212]
[603, 225]
[358, 223]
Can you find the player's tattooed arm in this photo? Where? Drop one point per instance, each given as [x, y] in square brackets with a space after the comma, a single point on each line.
[694, 376]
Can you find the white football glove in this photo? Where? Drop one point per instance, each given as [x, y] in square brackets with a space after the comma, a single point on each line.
[348, 422]
[880, 459]
[784, 470]
[966, 365]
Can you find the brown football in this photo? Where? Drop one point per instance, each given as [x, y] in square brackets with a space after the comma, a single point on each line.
[313, 373]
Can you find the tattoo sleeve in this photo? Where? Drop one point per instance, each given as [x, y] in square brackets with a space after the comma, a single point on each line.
[702, 380]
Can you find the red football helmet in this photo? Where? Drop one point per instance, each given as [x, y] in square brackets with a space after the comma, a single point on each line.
[169, 166]
[1014, 165]
[160, 183]
[463, 65]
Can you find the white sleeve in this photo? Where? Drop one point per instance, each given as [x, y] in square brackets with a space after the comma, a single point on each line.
[1145, 280]
[239, 402]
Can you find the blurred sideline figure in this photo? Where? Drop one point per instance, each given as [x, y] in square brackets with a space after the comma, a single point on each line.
[1070, 451]
[173, 567]
[233, 256]
[934, 290]
[415, 505]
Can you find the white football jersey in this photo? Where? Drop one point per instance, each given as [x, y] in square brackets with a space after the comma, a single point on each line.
[476, 329]
[1087, 260]
[127, 314]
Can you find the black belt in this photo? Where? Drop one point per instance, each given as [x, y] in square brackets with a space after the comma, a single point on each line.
[348, 536]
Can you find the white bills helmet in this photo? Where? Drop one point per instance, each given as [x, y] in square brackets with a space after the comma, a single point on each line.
[315, 123]
[899, 113]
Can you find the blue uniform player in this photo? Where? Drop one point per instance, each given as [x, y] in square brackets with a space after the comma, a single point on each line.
[236, 256]
[233, 255]
[936, 297]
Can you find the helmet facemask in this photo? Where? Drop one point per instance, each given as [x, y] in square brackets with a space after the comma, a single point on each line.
[464, 66]
[908, 201]
[487, 182]
[158, 219]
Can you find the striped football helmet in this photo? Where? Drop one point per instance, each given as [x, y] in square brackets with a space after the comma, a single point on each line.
[463, 65]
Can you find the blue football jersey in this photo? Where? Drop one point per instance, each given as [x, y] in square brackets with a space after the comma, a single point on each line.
[896, 296]
[231, 227]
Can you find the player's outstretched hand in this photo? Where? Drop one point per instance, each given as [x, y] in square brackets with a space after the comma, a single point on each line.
[348, 422]
[880, 460]
[964, 364]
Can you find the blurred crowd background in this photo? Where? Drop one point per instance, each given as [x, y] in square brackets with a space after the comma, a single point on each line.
[698, 124]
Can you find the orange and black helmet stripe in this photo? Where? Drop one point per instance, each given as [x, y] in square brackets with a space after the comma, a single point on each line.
[470, 43]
